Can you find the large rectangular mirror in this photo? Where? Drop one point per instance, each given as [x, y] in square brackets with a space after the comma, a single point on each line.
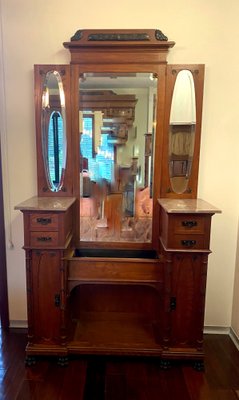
[117, 114]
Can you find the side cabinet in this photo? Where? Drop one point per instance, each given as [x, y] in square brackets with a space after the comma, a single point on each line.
[184, 244]
[44, 296]
[188, 287]
[48, 228]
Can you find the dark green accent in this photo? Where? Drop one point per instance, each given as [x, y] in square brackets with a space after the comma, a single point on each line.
[189, 224]
[165, 364]
[173, 303]
[118, 253]
[77, 36]
[63, 361]
[30, 360]
[160, 36]
[188, 243]
[57, 300]
[101, 37]
[198, 365]
[44, 221]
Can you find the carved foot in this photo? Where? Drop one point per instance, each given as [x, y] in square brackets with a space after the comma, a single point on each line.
[198, 365]
[30, 360]
[63, 361]
[165, 364]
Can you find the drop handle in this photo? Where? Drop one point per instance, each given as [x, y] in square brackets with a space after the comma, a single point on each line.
[44, 239]
[189, 224]
[44, 221]
[188, 243]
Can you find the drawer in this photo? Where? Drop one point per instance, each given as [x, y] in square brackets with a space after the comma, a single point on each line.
[189, 223]
[41, 222]
[188, 242]
[44, 239]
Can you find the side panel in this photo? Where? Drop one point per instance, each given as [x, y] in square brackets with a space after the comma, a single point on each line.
[45, 296]
[189, 272]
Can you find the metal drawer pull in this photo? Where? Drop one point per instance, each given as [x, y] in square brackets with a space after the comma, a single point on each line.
[188, 243]
[44, 221]
[44, 239]
[189, 224]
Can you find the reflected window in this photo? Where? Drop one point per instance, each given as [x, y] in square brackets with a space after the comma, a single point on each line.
[55, 147]
[117, 114]
[98, 164]
[53, 126]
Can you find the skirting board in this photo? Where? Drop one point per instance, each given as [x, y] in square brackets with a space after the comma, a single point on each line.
[234, 338]
[220, 330]
[207, 329]
[18, 324]
[216, 330]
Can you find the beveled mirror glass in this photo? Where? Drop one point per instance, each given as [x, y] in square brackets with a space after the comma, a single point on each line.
[182, 131]
[53, 124]
[117, 116]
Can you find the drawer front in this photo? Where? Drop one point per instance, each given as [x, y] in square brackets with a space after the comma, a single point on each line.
[188, 242]
[44, 239]
[41, 222]
[185, 224]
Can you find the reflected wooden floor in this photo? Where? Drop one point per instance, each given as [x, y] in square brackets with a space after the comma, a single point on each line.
[98, 378]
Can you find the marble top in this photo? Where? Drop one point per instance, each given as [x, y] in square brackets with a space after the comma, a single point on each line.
[188, 206]
[46, 204]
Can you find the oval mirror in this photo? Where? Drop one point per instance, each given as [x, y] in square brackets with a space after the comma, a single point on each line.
[53, 125]
[182, 131]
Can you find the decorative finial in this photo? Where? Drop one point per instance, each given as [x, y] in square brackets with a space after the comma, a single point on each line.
[160, 36]
[77, 36]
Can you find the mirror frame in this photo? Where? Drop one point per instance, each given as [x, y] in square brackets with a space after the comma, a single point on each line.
[198, 76]
[53, 112]
[40, 72]
[182, 127]
[125, 51]
[121, 51]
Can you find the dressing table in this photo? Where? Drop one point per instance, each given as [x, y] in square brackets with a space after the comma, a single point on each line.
[116, 240]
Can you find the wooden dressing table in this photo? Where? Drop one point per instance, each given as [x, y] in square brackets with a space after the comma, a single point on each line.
[118, 267]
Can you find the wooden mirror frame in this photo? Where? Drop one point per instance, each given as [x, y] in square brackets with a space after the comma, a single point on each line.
[198, 76]
[117, 51]
[121, 51]
[40, 72]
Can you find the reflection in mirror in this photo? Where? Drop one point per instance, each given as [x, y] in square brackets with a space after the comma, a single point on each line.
[53, 130]
[117, 126]
[182, 131]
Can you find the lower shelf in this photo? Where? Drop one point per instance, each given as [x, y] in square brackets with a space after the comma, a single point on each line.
[115, 334]
[128, 336]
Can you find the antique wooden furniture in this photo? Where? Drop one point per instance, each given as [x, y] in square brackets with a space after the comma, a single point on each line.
[116, 240]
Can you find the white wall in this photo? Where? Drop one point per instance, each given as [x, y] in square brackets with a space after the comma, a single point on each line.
[205, 32]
